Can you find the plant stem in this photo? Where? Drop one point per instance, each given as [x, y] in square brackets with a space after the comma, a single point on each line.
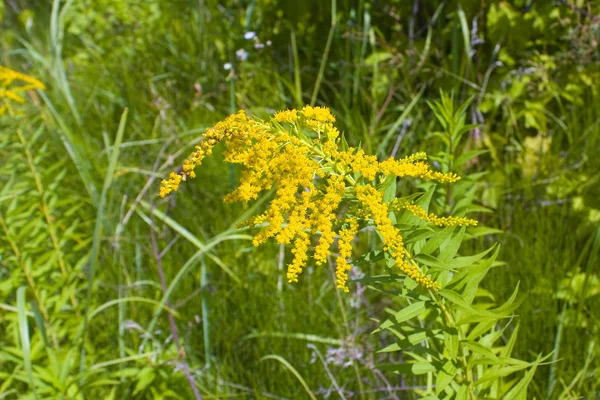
[47, 216]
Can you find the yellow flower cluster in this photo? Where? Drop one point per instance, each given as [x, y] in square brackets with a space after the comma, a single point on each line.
[317, 184]
[318, 119]
[9, 91]
[323, 218]
[431, 217]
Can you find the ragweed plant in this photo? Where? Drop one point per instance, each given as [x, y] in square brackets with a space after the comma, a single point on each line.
[323, 189]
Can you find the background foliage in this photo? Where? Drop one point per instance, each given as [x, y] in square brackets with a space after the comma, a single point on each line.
[79, 217]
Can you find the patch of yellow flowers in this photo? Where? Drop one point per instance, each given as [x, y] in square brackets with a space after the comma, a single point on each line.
[323, 189]
[12, 85]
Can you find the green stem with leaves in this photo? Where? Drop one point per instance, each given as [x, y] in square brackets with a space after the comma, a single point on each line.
[449, 320]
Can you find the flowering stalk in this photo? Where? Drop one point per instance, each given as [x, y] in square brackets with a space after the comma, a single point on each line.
[300, 153]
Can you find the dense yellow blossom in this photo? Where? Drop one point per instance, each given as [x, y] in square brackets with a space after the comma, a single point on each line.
[12, 83]
[322, 192]
[286, 116]
[320, 114]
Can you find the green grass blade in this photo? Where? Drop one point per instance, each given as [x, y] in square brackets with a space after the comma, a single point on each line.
[297, 77]
[131, 299]
[394, 128]
[205, 320]
[197, 242]
[313, 99]
[293, 370]
[295, 336]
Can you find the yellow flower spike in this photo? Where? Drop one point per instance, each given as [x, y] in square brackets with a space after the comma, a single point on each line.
[417, 169]
[300, 252]
[345, 252]
[324, 217]
[434, 219]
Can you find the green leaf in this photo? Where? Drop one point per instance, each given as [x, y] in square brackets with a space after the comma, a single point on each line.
[409, 283]
[449, 249]
[411, 340]
[378, 57]
[519, 391]
[508, 348]
[419, 234]
[24, 336]
[435, 242]
[388, 187]
[416, 368]
[380, 279]
[461, 262]
[144, 380]
[405, 314]
[511, 304]
[477, 348]
[476, 274]
[445, 376]
[432, 262]
[463, 393]
[451, 343]
[466, 33]
[473, 314]
[480, 329]
[344, 143]
[425, 199]
[501, 373]
[467, 156]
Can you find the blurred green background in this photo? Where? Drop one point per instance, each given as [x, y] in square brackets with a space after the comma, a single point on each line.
[82, 228]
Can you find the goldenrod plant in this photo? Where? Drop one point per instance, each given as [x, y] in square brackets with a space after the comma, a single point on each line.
[327, 195]
[323, 188]
[42, 255]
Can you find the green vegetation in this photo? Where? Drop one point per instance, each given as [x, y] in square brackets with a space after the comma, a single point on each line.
[109, 291]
